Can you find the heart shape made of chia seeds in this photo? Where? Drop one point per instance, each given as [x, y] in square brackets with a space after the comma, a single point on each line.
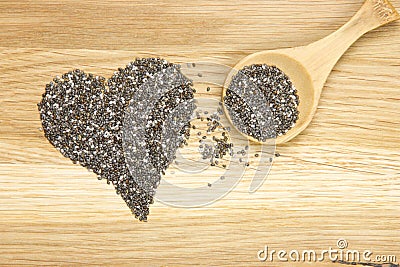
[83, 117]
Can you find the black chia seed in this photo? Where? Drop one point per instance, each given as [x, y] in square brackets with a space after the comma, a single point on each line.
[82, 116]
[262, 102]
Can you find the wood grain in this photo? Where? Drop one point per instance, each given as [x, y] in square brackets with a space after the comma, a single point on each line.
[339, 179]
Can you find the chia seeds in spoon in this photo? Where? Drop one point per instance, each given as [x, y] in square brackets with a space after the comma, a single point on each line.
[262, 102]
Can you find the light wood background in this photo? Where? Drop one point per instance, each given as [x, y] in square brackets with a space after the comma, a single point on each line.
[339, 179]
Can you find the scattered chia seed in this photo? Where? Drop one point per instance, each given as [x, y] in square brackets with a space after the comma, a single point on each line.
[214, 148]
[262, 102]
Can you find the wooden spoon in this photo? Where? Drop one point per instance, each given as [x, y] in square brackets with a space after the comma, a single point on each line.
[309, 66]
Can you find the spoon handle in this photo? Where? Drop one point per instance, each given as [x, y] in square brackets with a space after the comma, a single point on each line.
[320, 57]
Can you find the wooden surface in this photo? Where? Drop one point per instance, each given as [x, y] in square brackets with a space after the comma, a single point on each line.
[339, 179]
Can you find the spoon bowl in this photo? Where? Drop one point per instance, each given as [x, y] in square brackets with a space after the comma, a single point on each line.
[300, 77]
[308, 67]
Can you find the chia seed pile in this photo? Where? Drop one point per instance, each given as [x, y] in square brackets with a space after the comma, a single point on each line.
[262, 102]
[83, 117]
